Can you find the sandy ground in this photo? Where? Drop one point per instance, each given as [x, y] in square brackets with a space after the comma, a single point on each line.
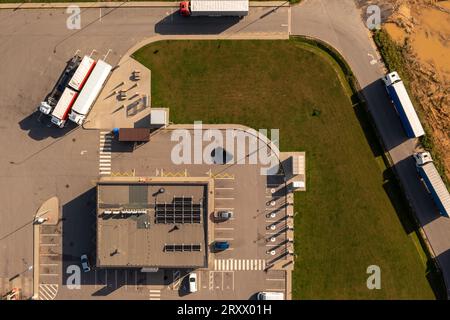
[423, 28]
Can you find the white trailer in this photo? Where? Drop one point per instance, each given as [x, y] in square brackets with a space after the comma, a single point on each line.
[65, 103]
[90, 92]
[82, 74]
[405, 109]
[433, 182]
[214, 8]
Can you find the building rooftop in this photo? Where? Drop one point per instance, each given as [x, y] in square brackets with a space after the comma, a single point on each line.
[149, 224]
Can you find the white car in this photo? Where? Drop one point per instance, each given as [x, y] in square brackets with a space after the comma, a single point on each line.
[85, 263]
[192, 282]
[270, 295]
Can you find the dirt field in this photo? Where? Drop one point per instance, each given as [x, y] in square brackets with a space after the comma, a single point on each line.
[422, 28]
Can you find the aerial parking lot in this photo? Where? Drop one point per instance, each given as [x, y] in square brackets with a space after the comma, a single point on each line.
[145, 176]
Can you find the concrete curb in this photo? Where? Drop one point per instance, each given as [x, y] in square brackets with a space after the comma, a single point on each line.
[134, 4]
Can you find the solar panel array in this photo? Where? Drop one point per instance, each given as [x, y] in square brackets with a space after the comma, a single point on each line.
[181, 247]
[181, 210]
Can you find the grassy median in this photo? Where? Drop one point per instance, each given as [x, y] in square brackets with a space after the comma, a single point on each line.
[349, 218]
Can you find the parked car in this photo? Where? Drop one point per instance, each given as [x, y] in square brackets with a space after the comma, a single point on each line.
[221, 245]
[265, 295]
[85, 263]
[223, 215]
[192, 282]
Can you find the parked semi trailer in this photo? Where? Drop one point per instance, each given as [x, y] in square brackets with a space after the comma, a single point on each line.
[65, 103]
[405, 109]
[433, 182]
[82, 74]
[90, 92]
[214, 8]
[47, 106]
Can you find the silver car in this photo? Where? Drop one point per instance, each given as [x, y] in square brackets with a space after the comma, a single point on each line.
[223, 215]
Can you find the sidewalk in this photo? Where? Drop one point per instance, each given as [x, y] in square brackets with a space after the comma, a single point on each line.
[119, 4]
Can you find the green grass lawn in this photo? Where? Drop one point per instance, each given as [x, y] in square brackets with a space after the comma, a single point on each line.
[346, 220]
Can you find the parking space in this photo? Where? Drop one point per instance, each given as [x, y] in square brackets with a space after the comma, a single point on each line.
[50, 254]
[275, 220]
[238, 272]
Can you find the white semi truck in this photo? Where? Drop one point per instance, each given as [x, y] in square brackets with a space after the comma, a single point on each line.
[214, 8]
[90, 92]
[47, 106]
[403, 105]
[65, 103]
[433, 182]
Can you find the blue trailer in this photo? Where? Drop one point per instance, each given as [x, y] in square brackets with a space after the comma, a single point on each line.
[433, 182]
[403, 105]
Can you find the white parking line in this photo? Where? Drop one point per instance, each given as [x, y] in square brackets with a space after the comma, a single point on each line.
[224, 198]
[223, 188]
[223, 228]
[47, 291]
[271, 289]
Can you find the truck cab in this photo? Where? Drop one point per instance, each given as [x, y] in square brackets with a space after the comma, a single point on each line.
[45, 108]
[184, 9]
[422, 158]
[391, 78]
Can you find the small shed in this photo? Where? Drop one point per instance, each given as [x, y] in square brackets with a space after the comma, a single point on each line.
[159, 117]
[134, 135]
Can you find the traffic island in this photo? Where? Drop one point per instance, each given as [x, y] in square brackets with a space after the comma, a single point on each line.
[125, 100]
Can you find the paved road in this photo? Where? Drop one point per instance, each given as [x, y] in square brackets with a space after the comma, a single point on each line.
[340, 23]
[37, 161]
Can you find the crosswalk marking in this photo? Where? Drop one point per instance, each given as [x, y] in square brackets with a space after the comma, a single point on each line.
[104, 162]
[154, 294]
[239, 264]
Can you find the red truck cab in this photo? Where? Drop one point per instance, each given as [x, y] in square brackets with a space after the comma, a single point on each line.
[184, 9]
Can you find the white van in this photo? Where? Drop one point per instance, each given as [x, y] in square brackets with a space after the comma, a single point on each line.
[270, 296]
